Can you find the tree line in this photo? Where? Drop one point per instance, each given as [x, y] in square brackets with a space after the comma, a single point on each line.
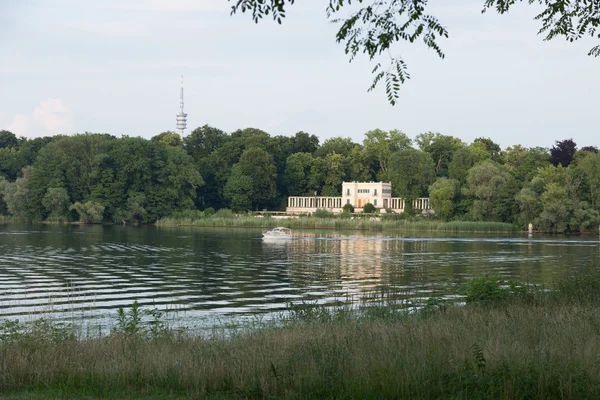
[98, 177]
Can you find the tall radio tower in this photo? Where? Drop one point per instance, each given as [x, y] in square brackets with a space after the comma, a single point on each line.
[181, 117]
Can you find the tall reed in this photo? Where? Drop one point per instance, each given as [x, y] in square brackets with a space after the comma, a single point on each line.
[530, 343]
[358, 223]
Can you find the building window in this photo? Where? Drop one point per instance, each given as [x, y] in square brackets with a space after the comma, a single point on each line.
[348, 193]
[347, 201]
[375, 192]
[375, 201]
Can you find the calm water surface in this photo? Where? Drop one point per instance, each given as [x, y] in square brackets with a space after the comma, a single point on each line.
[210, 273]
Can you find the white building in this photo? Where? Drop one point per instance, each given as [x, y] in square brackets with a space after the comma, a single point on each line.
[358, 194]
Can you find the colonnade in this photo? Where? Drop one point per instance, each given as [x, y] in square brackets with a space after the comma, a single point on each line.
[298, 203]
[315, 202]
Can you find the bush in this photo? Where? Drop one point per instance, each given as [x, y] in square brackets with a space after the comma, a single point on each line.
[349, 208]
[209, 211]
[321, 213]
[369, 208]
[224, 213]
[89, 212]
[490, 288]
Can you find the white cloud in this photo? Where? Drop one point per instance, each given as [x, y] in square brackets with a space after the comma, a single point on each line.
[19, 125]
[50, 117]
[54, 116]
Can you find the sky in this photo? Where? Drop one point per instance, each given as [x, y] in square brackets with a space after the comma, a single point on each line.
[114, 66]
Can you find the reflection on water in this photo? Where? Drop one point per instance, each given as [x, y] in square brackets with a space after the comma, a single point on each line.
[208, 273]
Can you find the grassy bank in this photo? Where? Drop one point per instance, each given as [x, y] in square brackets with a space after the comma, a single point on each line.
[358, 223]
[507, 342]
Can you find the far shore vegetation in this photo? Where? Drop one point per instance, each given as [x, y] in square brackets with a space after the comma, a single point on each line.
[479, 186]
[499, 339]
[323, 219]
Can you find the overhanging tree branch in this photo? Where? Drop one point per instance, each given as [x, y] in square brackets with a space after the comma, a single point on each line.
[378, 24]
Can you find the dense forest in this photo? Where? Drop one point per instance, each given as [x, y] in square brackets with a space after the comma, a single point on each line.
[99, 177]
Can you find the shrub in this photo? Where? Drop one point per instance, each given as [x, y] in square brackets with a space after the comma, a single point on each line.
[490, 288]
[349, 208]
[369, 208]
[224, 213]
[321, 213]
[89, 212]
[209, 211]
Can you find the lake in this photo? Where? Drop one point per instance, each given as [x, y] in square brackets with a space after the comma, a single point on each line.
[204, 275]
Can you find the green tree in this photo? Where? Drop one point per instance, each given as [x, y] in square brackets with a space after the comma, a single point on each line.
[590, 165]
[557, 207]
[303, 142]
[375, 26]
[168, 138]
[334, 175]
[89, 212]
[523, 162]
[358, 166]
[297, 174]
[3, 184]
[133, 211]
[443, 195]
[441, 147]
[238, 190]
[17, 196]
[203, 141]
[7, 139]
[530, 205]
[492, 149]
[338, 145]
[484, 182]
[462, 161]
[411, 173]
[379, 145]
[257, 164]
[56, 201]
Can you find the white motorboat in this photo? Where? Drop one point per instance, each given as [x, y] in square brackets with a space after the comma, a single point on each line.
[278, 233]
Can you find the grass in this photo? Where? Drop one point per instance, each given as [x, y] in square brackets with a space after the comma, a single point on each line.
[372, 223]
[509, 341]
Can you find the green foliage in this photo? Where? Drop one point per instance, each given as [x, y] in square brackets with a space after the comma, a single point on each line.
[224, 213]
[209, 211]
[136, 322]
[334, 175]
[411, 173]
[379, 146]
[56, 202]
[321, 213]
[17, 196]
[336, 145]
[484, 183]
[590, 166]
[7, 139]
[490, 289]
[442, 194]
[441, 147]
[348, 208]
[369, 208]
[142, 181]
[373, 28]
[89, 212]
[167, 139]
[257, 164]
[463, 160]
[239, 190]
[134, 210]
